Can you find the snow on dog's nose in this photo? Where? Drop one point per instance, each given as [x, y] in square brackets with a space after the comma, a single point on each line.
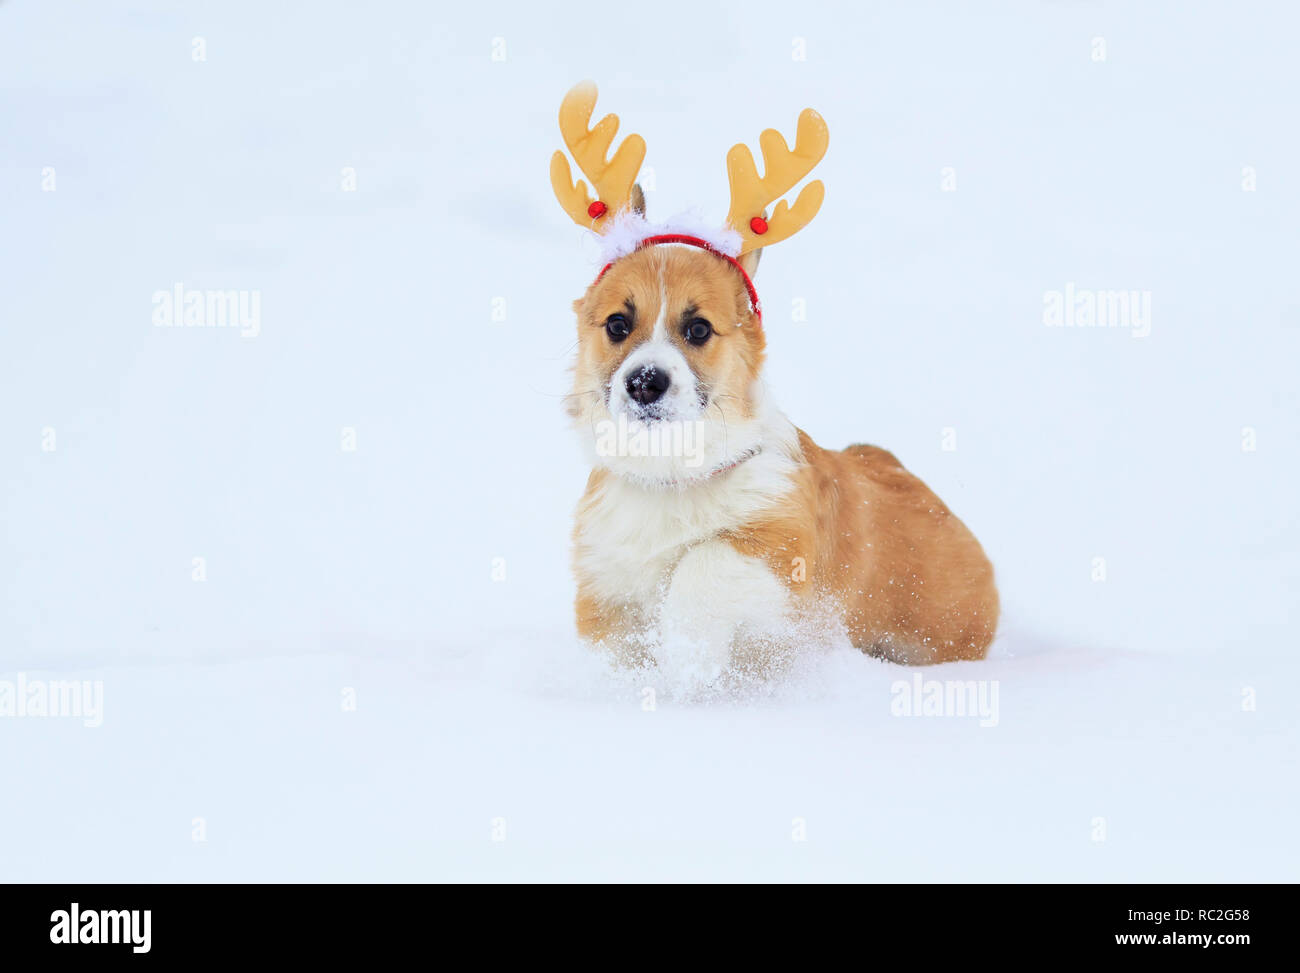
[647, 385]
[655, 382]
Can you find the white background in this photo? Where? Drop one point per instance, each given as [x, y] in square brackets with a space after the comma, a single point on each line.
[372, 570]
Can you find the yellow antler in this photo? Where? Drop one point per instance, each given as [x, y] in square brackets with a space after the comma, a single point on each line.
[782, 170]
[612, 179]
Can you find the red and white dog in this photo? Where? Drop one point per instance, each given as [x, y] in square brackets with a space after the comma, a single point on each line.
[710, 523]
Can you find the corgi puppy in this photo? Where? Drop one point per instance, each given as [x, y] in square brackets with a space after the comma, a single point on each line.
[711, 525]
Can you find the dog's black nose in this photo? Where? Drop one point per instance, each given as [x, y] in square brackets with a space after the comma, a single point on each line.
[647, 384]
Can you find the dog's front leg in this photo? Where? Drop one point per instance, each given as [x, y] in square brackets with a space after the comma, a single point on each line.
[715, 592]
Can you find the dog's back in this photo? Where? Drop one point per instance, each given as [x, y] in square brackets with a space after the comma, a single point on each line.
[912, 582]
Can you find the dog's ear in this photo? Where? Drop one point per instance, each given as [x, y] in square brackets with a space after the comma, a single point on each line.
[637, 199]
[749, 261]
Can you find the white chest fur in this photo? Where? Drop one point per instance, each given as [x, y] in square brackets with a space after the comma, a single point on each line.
[631, 537]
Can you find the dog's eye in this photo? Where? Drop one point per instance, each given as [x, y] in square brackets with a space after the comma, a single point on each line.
[617, 327]
[698, 331]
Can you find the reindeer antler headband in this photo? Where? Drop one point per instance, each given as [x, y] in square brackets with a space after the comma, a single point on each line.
[616, 211]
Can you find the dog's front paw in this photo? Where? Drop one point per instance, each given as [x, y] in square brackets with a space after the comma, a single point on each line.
[715, 592]
[691, 661]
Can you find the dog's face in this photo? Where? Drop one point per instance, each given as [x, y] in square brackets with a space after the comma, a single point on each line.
[669, 353]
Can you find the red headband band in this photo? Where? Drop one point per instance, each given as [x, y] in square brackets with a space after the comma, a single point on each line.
[694, 241]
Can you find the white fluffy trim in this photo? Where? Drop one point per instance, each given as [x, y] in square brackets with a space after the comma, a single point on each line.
[630, 228]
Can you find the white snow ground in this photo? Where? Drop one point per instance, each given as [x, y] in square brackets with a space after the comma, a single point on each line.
[477, 714]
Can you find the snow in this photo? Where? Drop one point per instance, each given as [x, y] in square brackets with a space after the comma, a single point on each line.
[1157, 700]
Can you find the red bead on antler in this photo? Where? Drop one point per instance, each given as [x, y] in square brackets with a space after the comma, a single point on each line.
[596, 210]
[758, 225]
